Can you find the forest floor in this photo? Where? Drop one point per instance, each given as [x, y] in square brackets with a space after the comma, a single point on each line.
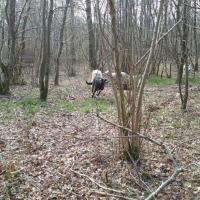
[61, 150]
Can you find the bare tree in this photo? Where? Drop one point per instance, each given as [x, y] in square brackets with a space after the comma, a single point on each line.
[25, 20]
[4, 72]
[129, 106]
[72, 59]
[60, 48]
[20, 55]
[184, 55]
[195, 37]
[45, 62]
[92, 51]
[10, 17]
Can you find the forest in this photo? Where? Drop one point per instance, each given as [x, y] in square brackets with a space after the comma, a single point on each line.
[99, 99]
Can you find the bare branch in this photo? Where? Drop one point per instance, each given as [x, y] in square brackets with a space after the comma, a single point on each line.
[20, 16]
[165, 183]
[101, 186]
[177, 169]
[159, 40]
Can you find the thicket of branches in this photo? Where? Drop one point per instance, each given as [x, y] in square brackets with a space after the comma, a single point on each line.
[21, 34]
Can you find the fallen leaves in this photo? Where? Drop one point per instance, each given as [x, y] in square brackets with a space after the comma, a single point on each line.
[43, 149]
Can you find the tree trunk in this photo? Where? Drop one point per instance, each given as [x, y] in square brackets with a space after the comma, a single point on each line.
[4, 79]
[184, 55]
[60, 48]
[177, 44]
[18, 74]
[195, 37]
[92, 51]
[72, 60]
[25, 20]
[10, 17]
[44, 68]
[129, 106]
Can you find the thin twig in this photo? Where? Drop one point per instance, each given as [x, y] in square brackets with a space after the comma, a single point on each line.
[134, 164]
[2, 172]
[101, 186]
[145, 187]
[112, 195]
[164, 35]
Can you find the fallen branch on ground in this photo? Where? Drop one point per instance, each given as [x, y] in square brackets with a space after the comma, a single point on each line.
[171, 179]
[101, 186]
[176, 169]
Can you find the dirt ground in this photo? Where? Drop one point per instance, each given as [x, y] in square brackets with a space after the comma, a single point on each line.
[72, 155]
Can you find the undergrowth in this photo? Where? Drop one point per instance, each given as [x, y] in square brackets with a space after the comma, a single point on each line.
[155, 80]
[158, 81]
[12, 181]
[27, 105]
